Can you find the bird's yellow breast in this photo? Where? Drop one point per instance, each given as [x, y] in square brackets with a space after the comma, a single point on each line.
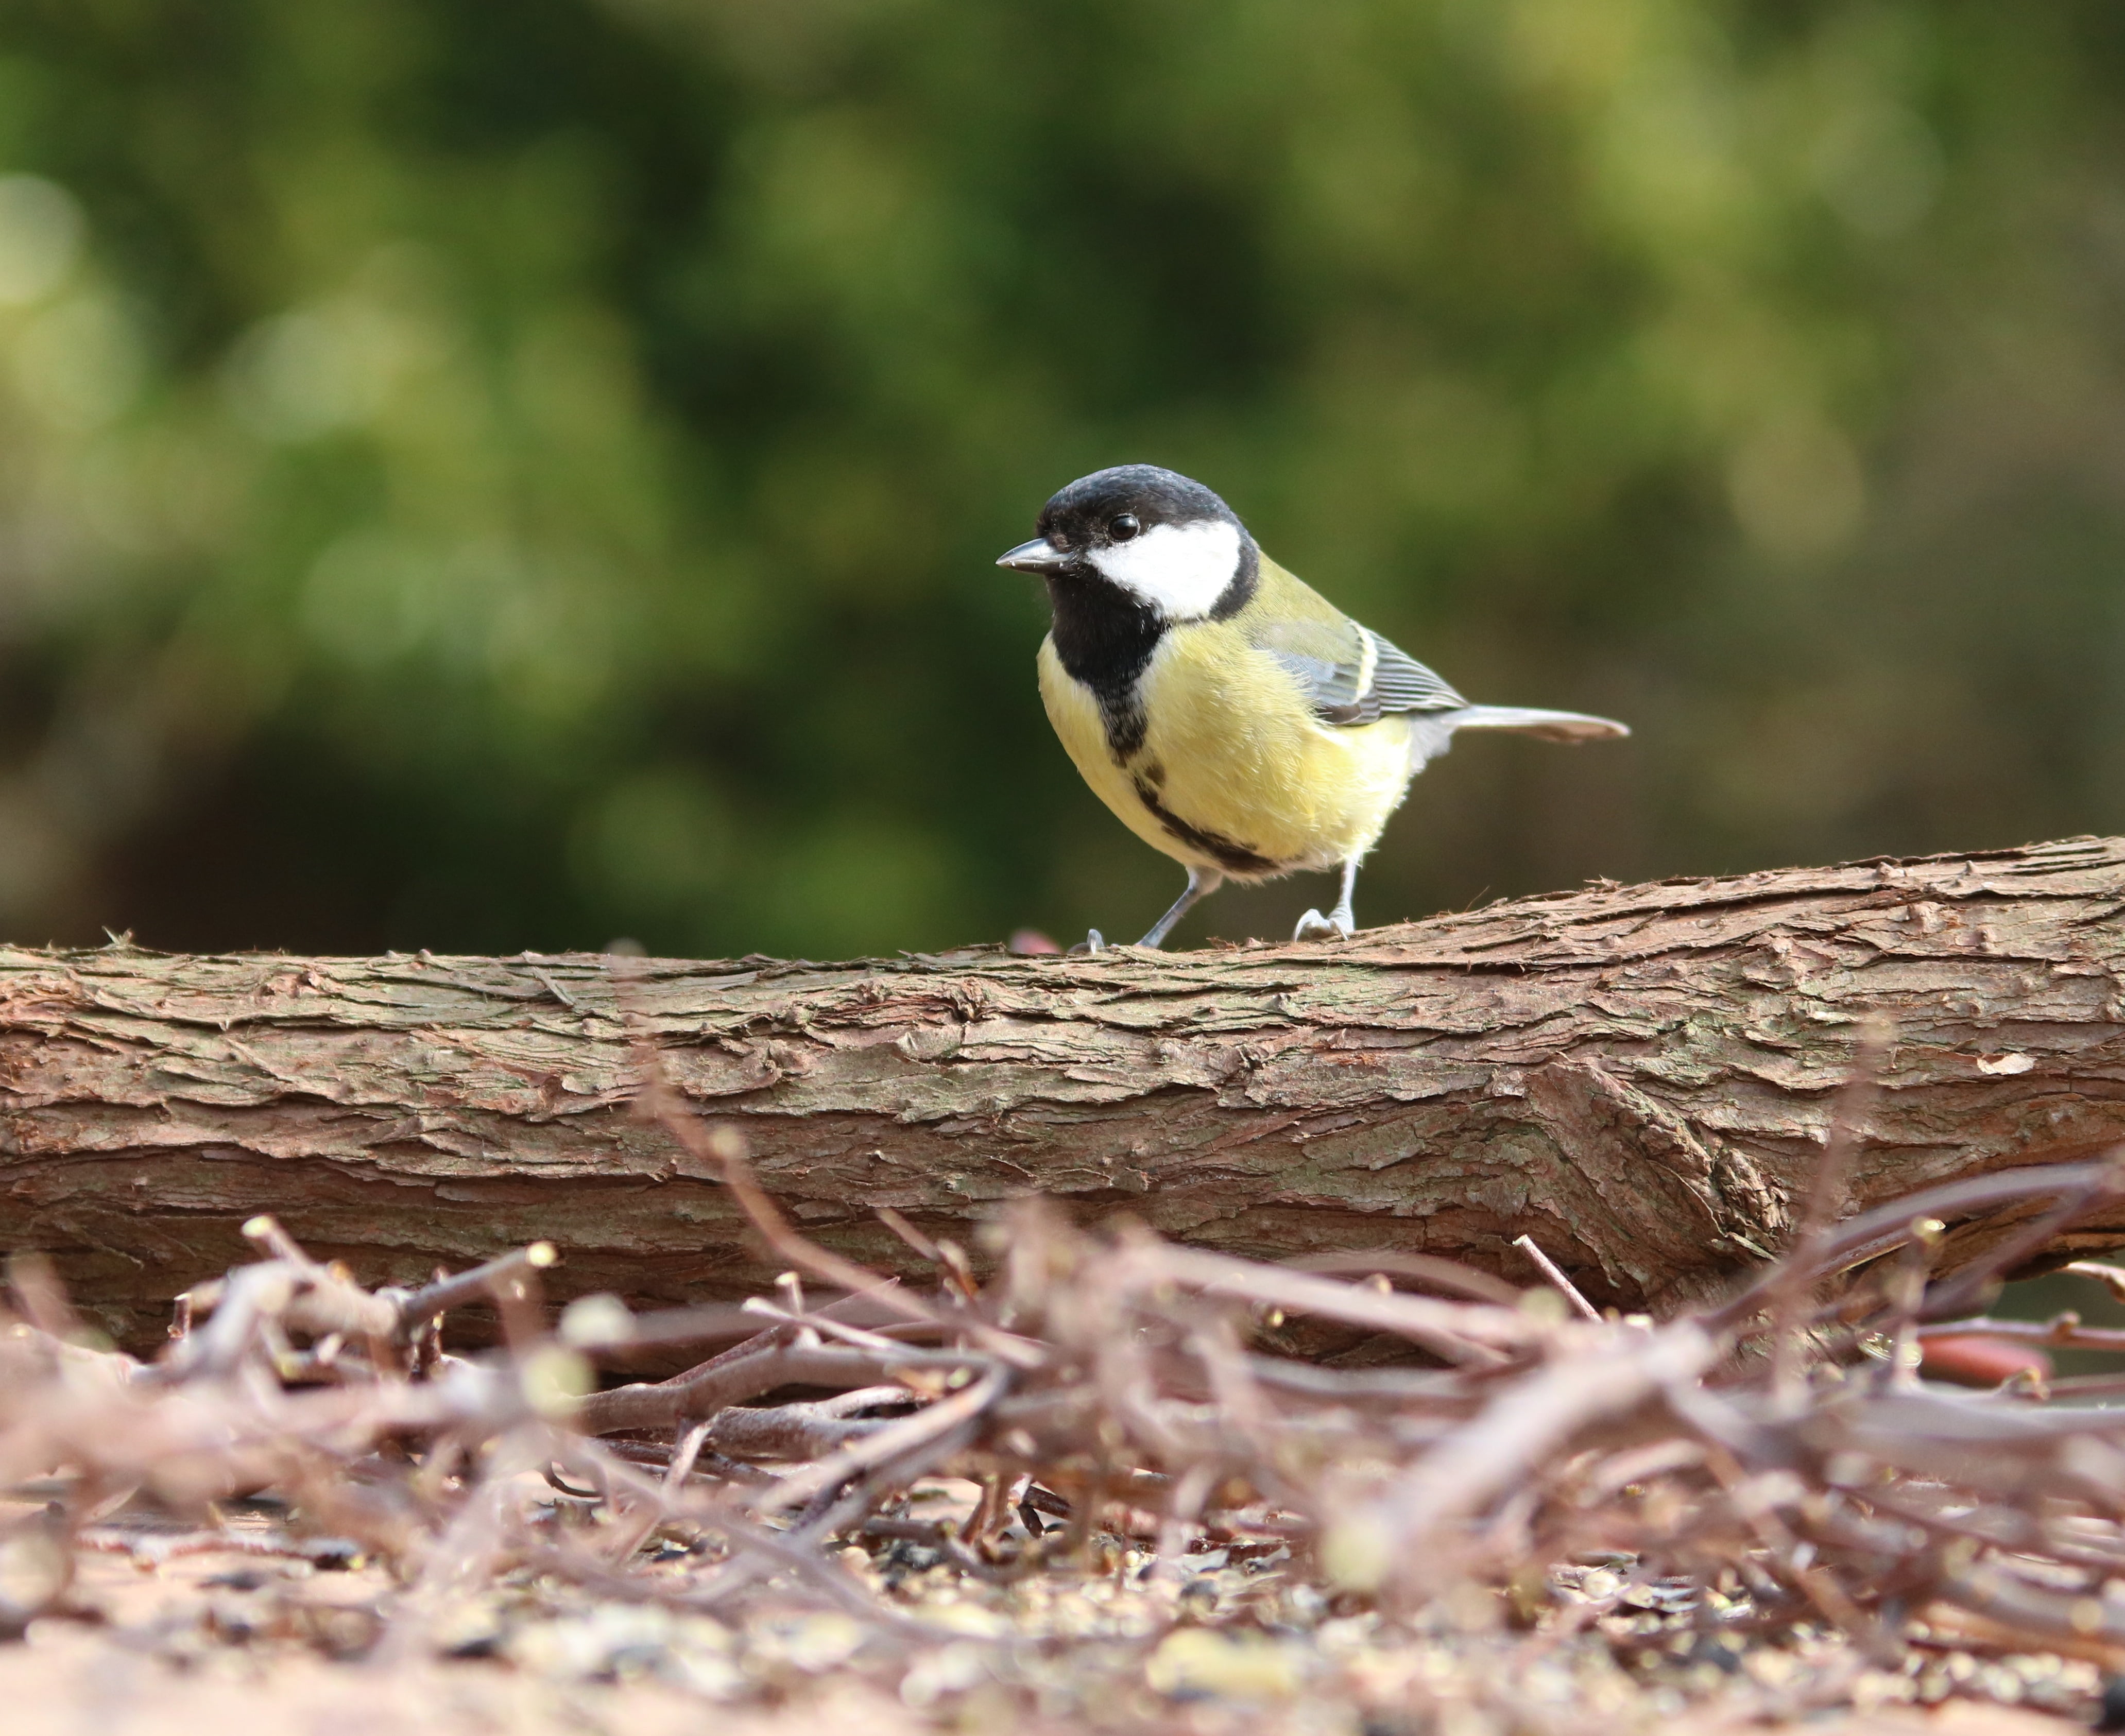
[1233, 771]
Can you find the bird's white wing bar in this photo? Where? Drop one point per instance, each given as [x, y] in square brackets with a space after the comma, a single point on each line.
[1400, 682]
[1351, 675]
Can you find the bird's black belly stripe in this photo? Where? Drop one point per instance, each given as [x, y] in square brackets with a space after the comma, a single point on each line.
[1236, 858]
[1126, 724]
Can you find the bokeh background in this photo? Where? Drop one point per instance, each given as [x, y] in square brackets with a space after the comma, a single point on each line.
[497, 473]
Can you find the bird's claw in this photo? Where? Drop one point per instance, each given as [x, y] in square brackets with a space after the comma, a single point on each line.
[1315, 926]
[1093, 942]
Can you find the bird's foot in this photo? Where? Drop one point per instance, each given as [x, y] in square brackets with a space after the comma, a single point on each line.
[1093, 942]
[1314, 926]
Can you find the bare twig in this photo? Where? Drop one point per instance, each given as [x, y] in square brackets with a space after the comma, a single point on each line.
[1555, 1273]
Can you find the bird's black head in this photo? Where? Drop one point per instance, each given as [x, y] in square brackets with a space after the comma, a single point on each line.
[1166, 544]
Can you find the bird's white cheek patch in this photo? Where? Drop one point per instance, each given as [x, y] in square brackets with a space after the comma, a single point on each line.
[1180, 570]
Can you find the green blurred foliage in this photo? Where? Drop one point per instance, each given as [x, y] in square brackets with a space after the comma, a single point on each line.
[490, 473]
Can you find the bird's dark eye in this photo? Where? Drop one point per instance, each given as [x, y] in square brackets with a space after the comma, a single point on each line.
[1123, 528]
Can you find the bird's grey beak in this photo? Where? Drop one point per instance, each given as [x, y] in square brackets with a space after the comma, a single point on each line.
[1038, 556]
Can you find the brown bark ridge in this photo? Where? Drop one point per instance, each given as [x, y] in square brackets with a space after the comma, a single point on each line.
[1641, 1078]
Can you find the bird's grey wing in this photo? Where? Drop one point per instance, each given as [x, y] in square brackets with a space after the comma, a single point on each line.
[1351, 675]
[1400, 682]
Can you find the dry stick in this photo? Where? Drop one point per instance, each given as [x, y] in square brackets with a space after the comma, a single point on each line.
[1906, 1285]
[2083, 1386]
[480, 1284]
[725, 1150]
[1933, 1417]
[909, 1234]
[1359, 1386]
[266, 1230]
[1555, 1273]
[1460, 1332]
[2062, 1331]
[1538, 1413]
[790, 1432]
[34, 1283]
[760, 1368]
[1817, 1582]
[681, 1464]
[931, 1534]
[1420, 1269]
[800, 1545]
[1796, 1274]
[2051, 1617]
[417, 1312]
[1967, 1286]
[248, 1296]
[862, 1337]
[1183, 1512]
[1246, 1407]
[990, 1509]
[2076, 1185]
[656, 1404]
[599, 1576]
[662, 1403]
[1108, 1340]
[2000, 1528]
[1877, 1232]
[896, 1439]
[2111, 1278]
[1955, 1627]
[734, 1379]
[707, 1462]
[664, 1327]
[1244, 1423]
[472, 1541]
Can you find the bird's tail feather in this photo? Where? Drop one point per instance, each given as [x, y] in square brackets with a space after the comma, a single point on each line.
[1431, 733]
[1551, 726]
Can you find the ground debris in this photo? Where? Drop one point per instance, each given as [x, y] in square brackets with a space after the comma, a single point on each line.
[1078, 1494]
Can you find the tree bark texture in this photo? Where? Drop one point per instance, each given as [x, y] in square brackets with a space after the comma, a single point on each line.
[1641, 1078]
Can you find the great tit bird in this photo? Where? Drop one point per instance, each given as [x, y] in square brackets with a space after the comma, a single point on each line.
[1232, 715]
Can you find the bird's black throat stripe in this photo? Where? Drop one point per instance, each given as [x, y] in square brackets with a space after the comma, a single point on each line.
[1105, 638]
[1235, 859]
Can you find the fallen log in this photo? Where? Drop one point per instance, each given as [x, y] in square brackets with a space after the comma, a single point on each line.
[1641, 1079]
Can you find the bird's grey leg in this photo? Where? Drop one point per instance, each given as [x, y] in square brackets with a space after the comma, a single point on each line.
[1201, 883]
[1338, 924]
